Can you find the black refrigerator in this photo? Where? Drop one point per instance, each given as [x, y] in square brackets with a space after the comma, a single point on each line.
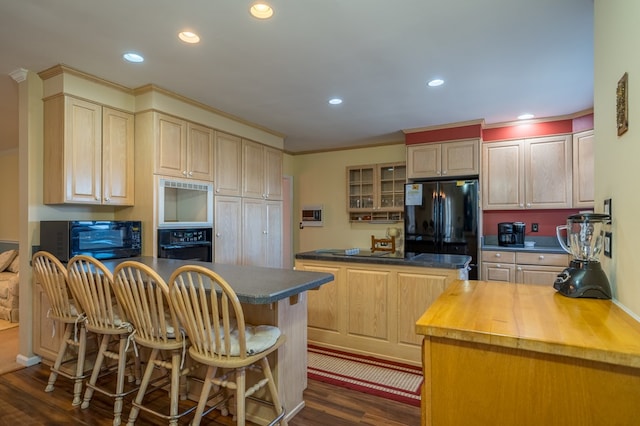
[442, 217]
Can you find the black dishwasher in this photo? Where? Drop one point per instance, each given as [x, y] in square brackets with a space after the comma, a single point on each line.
[186, 244]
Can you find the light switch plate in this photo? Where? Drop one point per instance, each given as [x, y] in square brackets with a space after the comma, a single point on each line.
[607, 207]
[608, 243]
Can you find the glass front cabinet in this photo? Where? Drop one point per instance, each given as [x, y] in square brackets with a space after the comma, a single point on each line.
[375, 192]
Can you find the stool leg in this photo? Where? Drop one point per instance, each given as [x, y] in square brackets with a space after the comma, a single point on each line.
[82, 351]
[272, 389]
[204, 393]
[61, 353]
[133, 415]
[241, 378]
[122, 363]
[175, 387]
[88, 394]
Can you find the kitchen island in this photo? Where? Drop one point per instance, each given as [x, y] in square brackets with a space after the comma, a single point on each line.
[375, 299]
[504, 354]
[268, 296]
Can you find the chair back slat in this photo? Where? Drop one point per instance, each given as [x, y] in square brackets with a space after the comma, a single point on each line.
[142, 293]
[52, 276]
[209, 310]
[91, 285]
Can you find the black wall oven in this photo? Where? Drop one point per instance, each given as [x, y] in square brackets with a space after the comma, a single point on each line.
[186, 244]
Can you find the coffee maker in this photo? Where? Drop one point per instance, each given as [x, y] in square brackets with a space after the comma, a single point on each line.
[584, 277]
[511, 234]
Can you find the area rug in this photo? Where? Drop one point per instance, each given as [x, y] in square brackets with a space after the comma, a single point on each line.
[399, 382]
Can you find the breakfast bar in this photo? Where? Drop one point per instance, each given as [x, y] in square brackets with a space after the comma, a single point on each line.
[499, 353]
[269, 296]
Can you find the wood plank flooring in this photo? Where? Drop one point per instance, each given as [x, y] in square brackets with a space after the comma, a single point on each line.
[24, 402]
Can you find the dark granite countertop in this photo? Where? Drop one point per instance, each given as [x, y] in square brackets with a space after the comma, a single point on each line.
[425, 260]
[253, 284]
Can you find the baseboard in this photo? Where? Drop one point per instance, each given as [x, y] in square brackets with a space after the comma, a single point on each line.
[28, 361]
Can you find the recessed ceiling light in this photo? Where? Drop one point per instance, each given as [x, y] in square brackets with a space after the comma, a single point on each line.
[189, 37]
[133, 57]
[335, 101]
[525, 116]
[436, 82]
[261, 10]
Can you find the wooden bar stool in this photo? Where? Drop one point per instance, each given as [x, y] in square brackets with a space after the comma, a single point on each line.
[52, 276]
[212, 316]
[143, 295]
[91, 284]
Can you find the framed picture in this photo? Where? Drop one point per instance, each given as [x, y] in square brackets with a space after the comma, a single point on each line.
[622, 113]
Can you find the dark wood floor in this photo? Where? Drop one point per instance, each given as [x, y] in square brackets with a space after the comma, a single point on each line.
[24, 402]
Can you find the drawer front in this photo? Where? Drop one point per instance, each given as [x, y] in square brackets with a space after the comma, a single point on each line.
[546, 259]
[499, 256]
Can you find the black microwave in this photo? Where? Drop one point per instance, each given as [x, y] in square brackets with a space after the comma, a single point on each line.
[101, 239]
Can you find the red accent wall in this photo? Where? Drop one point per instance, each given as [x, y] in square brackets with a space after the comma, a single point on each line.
[547, 220]
[447, 134]
[583, 123]
[527, 130]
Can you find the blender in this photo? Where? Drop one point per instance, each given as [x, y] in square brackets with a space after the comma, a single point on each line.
[584, 277]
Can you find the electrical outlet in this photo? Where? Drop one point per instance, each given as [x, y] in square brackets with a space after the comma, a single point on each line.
[534, 227]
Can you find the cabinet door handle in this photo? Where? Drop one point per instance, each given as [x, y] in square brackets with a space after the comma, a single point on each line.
[498, 255]
[444, 172]
[541, 257]
[184, 173]
[217, 235]
[519, 268]
[107, 199]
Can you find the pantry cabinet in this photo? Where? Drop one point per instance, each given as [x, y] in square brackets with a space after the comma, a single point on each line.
[522, 267]
[262, 171]
[527, 174]
[183, 149]
[262, 232]
[228, 230]
[88, 153]
[376, 192]
[446, 159]
[228, 165]
[583, 169]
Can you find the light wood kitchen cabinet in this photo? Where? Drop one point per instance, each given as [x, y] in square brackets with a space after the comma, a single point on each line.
[583, 169]
[446, 159]
[46, 332]
[376, 192]
[522, 267]
[228, 165]
[527, 174]
[499, 266]
[88, 153]
[262, 232]
[371, 309]
[184, 149]
[262, 171]
[228, 230]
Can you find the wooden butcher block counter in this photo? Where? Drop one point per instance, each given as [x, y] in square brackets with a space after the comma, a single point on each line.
[515, 354]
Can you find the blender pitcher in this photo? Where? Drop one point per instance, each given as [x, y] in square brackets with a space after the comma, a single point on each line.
[584, 277]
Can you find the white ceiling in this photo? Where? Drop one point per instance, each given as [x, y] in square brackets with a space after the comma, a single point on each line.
[499, 58]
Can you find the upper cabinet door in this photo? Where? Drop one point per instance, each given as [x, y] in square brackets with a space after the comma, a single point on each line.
[461, 158]
[252, 169]
[424, 161]
[583, 165]
[272, 173]
[503, 175]
[200, 152]
[548, 172]
[117, 157]
[228, 168]
[171, 150]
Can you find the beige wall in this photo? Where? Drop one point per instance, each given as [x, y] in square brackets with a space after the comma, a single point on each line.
[9, 195]
[617, 158]
[321, 179]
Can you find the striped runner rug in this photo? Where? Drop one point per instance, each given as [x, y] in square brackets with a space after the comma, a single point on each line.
[399, 382]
